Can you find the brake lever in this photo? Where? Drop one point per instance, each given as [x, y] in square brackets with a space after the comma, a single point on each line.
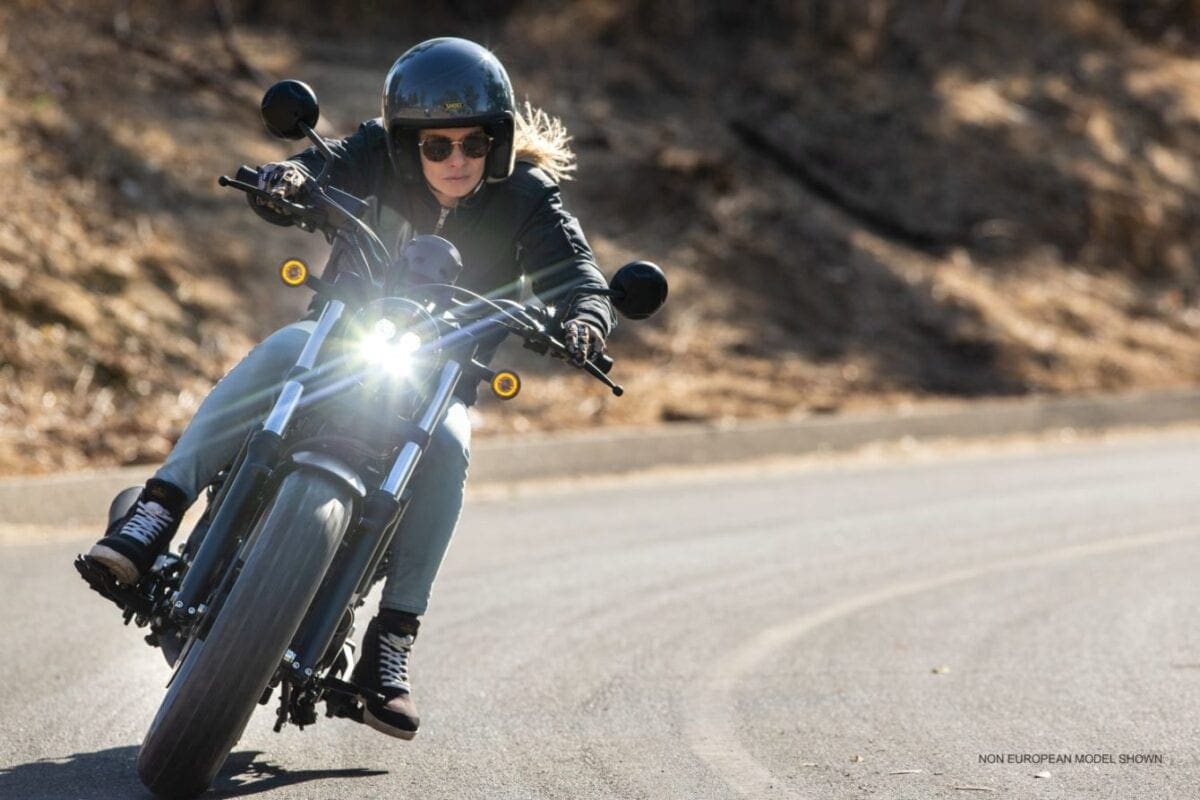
[597, 373]
[590, 367]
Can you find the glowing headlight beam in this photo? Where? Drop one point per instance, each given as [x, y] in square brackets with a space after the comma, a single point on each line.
[384, 348]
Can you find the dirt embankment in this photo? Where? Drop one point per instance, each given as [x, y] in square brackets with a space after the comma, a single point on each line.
[856, 202]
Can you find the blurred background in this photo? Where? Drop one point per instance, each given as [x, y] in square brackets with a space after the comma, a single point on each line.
[859, 203]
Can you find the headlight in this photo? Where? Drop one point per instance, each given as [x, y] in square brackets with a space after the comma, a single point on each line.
[386, 346]
[393, 339]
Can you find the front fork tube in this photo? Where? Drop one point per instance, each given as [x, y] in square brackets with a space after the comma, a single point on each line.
[406, 463]
[245, 486]
[372, 535]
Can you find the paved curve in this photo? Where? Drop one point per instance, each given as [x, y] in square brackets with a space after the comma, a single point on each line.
[875, 630]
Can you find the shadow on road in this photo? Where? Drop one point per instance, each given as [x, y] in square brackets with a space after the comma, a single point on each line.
[104, 773]
[246, 773]
[110, 773]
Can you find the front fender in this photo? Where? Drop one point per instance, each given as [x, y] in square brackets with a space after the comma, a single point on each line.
[330, 465]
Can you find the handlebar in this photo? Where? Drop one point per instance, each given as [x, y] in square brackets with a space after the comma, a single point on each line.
[317, 215]
[530, 323]
[331, 203]
[296, 209]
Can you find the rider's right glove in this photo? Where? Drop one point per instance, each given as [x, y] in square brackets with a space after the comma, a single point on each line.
[284, 179]
[584, 341]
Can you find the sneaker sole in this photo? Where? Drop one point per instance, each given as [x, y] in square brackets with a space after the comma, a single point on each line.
[124, 570]
[383, 727]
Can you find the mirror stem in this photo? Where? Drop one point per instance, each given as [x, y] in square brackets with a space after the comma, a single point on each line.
[320, 144]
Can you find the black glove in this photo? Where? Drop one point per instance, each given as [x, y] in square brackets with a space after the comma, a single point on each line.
[284, 179]
[584, 340]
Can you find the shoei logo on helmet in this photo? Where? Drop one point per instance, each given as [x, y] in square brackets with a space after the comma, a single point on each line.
[455, 106]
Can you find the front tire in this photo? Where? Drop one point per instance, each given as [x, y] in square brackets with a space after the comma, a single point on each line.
[222, 678]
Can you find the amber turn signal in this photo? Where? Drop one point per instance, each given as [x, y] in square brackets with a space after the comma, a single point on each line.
[506, 385]
[293, 272]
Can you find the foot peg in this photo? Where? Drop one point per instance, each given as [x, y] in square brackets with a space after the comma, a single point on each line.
[102, 582]
[344, 708]
[342, 700]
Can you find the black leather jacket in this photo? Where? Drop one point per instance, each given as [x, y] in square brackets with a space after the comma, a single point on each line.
[504, 231]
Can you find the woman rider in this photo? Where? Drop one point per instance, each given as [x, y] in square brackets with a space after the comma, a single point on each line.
[453, 157]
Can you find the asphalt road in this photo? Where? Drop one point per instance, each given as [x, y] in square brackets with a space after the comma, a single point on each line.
[876, 629]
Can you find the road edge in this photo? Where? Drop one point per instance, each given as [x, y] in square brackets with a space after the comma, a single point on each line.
[74, 498]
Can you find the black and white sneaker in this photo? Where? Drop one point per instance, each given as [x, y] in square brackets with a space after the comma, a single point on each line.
[383, 669]
[134, 540]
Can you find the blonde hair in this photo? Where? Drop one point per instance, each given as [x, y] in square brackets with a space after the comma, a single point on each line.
[542, 140]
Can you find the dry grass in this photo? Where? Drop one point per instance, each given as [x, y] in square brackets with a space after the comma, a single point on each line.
[979, 210]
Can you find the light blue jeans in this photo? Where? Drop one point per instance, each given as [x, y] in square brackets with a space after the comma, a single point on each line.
[242, 399]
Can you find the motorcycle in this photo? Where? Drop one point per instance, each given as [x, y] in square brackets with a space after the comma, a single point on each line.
[262, 596]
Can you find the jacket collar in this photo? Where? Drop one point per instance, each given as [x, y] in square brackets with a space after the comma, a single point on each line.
[427, 209]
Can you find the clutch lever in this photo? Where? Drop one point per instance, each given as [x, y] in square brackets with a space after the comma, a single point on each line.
[293, 208]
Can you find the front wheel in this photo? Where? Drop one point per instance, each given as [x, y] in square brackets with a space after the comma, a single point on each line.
[222, 678]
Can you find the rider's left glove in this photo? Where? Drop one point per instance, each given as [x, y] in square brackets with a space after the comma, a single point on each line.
[584, 340]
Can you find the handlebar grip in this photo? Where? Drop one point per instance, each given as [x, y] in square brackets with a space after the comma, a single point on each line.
[247, 175]
[603, 362]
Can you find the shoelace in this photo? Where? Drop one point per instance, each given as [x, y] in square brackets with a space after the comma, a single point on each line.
[148, 522]
[393, 660]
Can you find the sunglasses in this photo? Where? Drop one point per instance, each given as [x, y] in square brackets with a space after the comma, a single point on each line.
[439, 148]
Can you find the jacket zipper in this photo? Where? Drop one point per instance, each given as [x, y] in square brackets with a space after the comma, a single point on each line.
[445, 212]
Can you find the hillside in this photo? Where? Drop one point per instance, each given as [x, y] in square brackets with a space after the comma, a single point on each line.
[857, 203]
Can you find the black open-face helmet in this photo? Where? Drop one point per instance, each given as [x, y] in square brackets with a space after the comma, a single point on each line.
[448, 83]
